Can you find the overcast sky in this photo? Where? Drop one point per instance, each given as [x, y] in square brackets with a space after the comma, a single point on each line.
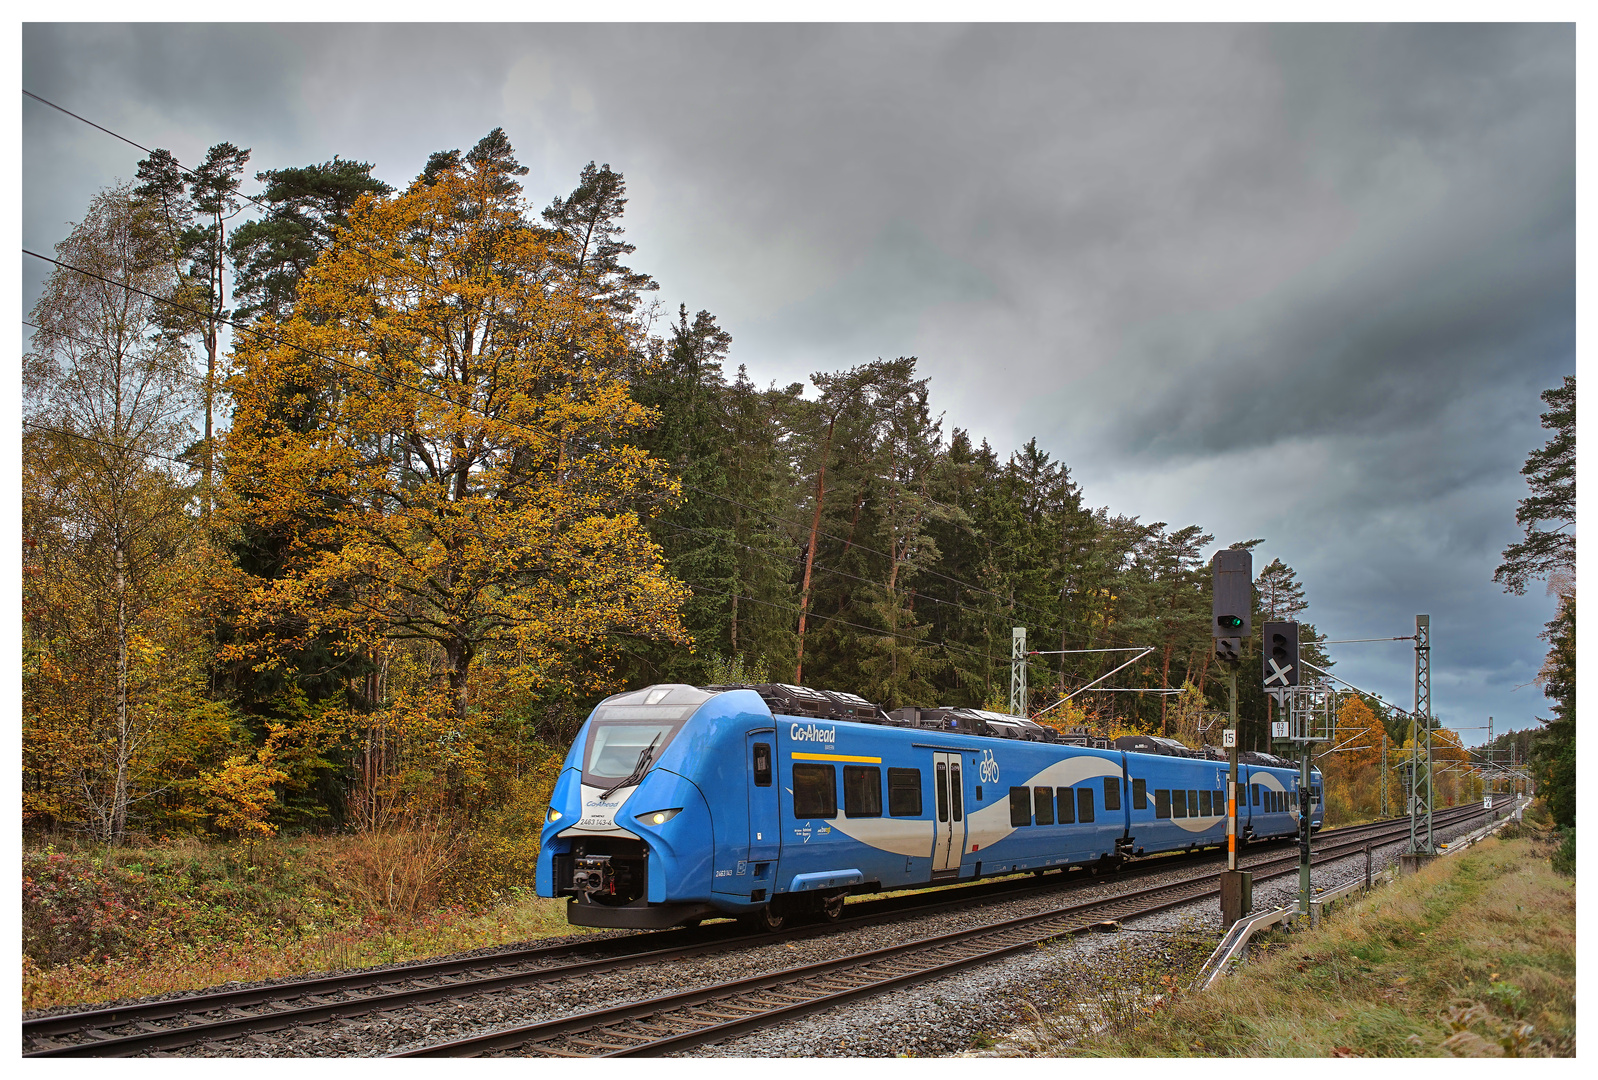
[1300, 283]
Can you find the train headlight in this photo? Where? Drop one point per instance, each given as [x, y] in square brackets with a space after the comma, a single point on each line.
[659, 817]
[554, 815]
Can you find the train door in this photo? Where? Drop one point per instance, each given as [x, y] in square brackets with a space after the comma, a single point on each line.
[949, 824]
[760, 755]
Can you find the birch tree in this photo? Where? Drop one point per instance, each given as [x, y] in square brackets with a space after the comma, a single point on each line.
[105, 509]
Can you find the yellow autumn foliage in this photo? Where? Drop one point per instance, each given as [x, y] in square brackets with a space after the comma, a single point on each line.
[438, 434]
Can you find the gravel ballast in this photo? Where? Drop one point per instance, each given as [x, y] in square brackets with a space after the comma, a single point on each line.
[937, 1018]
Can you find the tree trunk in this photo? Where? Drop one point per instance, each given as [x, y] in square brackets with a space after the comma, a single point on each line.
[810, 556]
[1165, 682]
[119, 791]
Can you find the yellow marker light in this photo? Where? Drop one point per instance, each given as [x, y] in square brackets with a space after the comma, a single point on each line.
[659, 817]
[554, 815]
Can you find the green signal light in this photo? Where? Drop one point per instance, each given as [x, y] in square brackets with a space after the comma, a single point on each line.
[1230, 622]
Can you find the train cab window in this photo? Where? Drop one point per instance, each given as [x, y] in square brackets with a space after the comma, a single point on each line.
[904, 792]
[1084, 804]
[1020, 806]
[862, 791]
[1178, 803]
[1205, 806]
[943, 792]
[762, 764]
[1140, 794]
[1067, 802]
[1162, 803]
[956, 794]
[1043, 805]
[815, 791]
[1112, 793]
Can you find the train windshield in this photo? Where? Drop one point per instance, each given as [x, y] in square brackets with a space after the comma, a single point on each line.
[626, 738]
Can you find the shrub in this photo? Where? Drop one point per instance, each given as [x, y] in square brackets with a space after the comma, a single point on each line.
[1564, 860]
[74, 907]
[399, 871]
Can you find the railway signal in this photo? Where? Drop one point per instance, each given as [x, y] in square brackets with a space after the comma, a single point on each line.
[1232, 578]
[1232, 572]
[1279, 654]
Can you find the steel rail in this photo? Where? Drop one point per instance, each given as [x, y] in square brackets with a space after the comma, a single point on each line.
[287, 993]
[738, 997]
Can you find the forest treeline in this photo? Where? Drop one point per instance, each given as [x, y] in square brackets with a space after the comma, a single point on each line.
[459, 477]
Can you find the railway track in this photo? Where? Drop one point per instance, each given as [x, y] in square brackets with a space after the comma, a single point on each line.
[169, 1024]
[712, 1014]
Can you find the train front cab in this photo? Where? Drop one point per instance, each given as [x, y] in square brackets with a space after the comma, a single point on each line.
[694, 835]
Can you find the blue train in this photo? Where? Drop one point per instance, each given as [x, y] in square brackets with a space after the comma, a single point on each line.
[677, 803]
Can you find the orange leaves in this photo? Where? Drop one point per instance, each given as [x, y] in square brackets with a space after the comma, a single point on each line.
[434, 439]
[241, 792]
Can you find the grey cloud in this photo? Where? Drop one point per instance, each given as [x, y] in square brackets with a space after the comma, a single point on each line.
[1167, 251]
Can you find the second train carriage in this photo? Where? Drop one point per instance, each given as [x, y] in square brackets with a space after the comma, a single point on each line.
[678, 803]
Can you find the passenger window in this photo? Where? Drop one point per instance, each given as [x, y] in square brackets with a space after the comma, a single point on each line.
[862, 791]
[762, 764]
[815, 791]
[955, 794]
[1178, 803]
[1084, 804]
[1020, 806]
[1140, 794]
[943, 792]
[1067, 806]
[1043, 805]
[1204, 804]
[904, 792]
[1162, 803]
[1192, 803]
[1220, 803]
[1255, 793]
[1112, 793]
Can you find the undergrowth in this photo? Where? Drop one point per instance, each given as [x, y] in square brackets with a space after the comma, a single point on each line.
[1472, 956]
[104, 924]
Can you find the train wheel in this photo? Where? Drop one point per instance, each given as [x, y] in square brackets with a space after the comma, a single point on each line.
[832, 907]
[768, 919]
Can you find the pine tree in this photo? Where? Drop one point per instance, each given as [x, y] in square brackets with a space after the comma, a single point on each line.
[1551, 474]
[272, 253]
[192, 213]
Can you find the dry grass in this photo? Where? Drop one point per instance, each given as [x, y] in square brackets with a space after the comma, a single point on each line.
[1474, 956]
[186, 915]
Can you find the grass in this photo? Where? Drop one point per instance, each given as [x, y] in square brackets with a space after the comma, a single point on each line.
[106, 924]
[1472, 957]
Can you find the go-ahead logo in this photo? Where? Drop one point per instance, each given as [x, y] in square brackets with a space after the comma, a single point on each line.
[811, 733]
